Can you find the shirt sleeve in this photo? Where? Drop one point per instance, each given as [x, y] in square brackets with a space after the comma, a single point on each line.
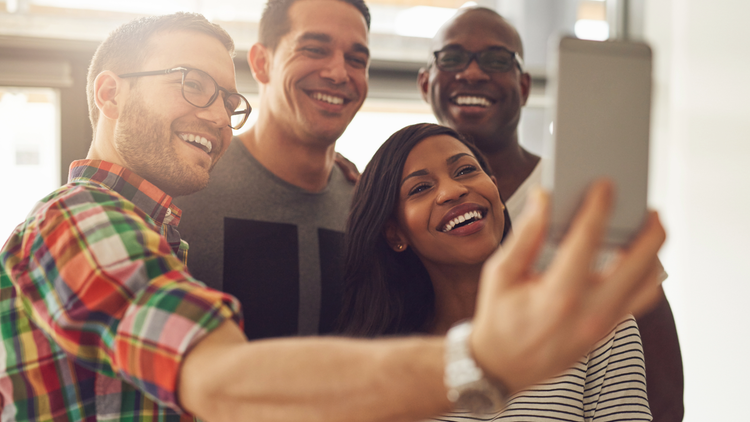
[95, 276]
[616, 377]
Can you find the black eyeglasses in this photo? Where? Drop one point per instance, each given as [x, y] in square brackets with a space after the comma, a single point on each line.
[201, 90]
[491, 60]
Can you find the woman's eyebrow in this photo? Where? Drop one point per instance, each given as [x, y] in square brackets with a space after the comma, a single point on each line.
[417, 173]
[452, 159]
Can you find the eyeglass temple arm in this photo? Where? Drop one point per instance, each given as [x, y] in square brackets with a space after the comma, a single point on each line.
[152, 72]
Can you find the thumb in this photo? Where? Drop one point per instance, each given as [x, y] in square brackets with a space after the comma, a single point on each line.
[520, 250]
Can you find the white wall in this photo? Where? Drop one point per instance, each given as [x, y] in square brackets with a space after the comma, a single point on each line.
[701, 185]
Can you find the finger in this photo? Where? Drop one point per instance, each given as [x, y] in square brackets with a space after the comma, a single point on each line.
[350, 169]
[648, 297]
[639, 271]
[572, 264]
[520, 250]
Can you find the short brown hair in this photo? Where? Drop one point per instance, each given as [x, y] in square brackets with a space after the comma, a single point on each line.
[274, 22]
[126, 48]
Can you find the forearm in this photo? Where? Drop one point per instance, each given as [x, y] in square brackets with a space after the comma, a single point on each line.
[313, 379]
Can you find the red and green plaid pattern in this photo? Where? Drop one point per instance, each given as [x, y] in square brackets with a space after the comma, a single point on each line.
[96, 309]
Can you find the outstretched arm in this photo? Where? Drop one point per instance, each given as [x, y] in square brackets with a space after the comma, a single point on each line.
[528, 327]
[313, 379]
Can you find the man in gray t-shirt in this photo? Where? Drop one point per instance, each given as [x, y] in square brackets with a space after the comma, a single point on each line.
[273, 245]
[269, 227]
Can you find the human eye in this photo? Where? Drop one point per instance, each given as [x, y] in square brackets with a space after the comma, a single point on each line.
[193, 85]
[497, 59]
[467, 169]
[419, 188]
[232, 102]
[314, 51]
[450, 58]
[357, 61]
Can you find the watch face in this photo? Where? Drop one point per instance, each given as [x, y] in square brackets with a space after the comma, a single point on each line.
[475, 401]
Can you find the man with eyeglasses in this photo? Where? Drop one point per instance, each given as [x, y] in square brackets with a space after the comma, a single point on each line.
[476, 84]
[98, 310]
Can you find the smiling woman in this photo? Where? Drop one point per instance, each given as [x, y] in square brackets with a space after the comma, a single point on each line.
[425, 216]
[422, 179]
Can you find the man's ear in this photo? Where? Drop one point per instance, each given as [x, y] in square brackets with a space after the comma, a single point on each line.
[525, 86]
[259, 59]
[423, 83]
[107, 87]
[393, 236]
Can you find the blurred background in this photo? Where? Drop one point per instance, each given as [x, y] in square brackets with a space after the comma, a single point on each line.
[699, 177]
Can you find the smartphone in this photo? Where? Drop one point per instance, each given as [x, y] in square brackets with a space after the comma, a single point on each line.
[599, 127]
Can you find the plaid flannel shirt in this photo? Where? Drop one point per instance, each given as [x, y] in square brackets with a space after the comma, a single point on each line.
[96, 309]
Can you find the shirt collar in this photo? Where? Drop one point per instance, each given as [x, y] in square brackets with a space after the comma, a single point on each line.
[132, 187]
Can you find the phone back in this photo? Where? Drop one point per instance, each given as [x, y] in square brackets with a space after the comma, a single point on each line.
[600, 128]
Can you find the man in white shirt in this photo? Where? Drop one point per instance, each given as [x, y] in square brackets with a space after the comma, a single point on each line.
[476, 85]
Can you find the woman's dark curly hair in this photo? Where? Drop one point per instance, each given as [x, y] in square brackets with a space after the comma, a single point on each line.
[386, 292]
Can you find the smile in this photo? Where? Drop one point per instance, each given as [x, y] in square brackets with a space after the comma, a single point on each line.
[463, 220]
[330, 99]
[197, 141]
[471, 100]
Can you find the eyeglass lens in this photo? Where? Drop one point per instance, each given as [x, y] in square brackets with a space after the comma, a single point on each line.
[490, 60]
[200, 90]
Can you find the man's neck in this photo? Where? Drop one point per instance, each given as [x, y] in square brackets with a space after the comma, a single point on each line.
[511, 164]
[304, 165]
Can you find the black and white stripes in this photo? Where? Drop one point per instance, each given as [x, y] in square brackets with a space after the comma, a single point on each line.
[607, 385]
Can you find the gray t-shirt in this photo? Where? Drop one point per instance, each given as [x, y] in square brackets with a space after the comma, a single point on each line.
[276, 247]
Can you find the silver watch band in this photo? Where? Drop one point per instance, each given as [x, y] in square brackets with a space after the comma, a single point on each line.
[467, 386]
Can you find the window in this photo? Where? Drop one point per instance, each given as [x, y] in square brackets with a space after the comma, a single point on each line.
[372, 126]
[29, 151]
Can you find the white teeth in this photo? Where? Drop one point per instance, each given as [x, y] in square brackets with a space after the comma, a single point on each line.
[471, 100]
[190, 137]
[206, 144]
[462, 218]
[328, 98]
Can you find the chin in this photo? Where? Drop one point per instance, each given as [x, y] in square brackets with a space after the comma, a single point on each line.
[328, 135]
[183, 186]
[481, 254]
[185, 189]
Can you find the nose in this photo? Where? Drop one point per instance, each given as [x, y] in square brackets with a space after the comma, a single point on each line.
[450, 190]
[473, 73]
[216, 113]
[335, 69]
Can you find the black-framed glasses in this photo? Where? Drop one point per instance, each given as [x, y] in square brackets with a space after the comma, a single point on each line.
[491, 60]
[201, 90]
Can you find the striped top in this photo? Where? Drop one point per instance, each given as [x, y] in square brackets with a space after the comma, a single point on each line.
[97, 309]
[607, 385]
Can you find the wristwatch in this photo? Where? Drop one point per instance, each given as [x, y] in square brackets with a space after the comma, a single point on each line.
[468, 388]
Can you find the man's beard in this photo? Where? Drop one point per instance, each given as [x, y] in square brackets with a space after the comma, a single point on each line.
[146, 145]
